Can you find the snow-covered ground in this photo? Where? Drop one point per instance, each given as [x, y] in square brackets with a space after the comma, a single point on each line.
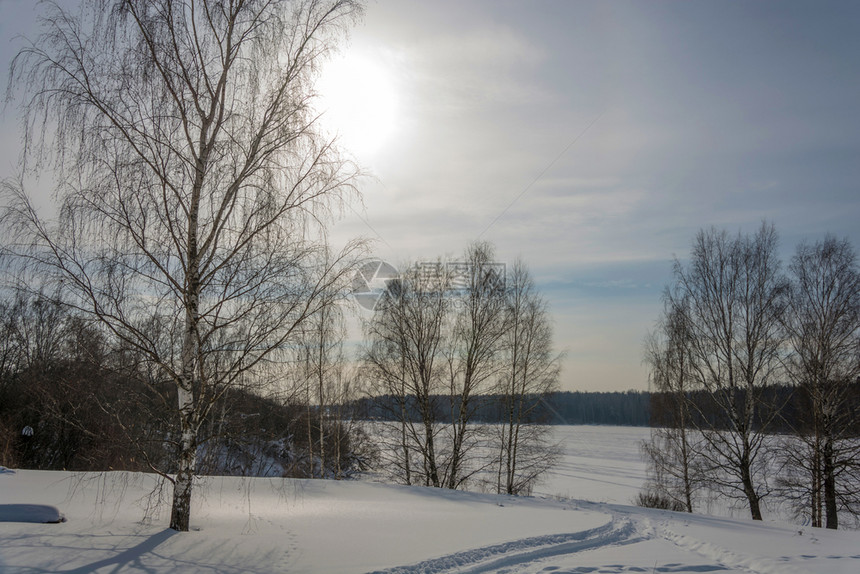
[266, 525]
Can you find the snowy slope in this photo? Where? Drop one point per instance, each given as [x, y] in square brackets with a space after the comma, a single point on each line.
[264, 525]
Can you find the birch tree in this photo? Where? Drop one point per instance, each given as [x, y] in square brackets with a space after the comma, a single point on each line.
[529, 373]
[448, 343]
[193, 184]
[732, 296]
[823, 326]
[672, 452]
[405, 360]
[475, 349]
[321, 364]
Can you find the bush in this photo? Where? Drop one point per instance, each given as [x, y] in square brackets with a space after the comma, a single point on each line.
[652, 499]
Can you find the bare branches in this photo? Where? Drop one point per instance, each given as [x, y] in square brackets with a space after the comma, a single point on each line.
[440, 356]
[722, 328]
[194, 185]
[733, 334]
[823, 327]
[407, 337]
[529, 373]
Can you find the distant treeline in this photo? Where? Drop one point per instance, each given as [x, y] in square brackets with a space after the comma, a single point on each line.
[778, 408]
[630, 408]
[780, 405]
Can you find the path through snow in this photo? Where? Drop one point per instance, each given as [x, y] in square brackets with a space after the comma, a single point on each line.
[501, 557]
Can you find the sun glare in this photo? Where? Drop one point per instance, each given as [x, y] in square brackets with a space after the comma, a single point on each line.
[359, 103]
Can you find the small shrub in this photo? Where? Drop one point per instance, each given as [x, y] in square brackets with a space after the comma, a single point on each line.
[651, 499]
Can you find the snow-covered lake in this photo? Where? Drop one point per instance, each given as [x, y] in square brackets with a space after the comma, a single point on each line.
[274, 525]
[599, 463]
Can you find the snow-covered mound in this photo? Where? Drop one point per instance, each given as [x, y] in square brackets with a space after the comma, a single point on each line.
[115, 523]
[38, 513]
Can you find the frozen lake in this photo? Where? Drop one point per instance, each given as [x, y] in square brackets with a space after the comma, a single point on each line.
[599, 463]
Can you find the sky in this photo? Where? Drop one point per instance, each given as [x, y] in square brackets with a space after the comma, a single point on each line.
[591, 139]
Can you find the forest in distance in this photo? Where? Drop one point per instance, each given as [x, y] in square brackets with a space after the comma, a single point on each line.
[627, 408]
[619, 408]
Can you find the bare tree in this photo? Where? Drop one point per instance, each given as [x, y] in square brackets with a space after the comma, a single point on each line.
[473, 358]
[529, 373]
[405, 362]
[448, 343]
[732, 294]
[320, 363]
[823, 325]
[193, 184]
[354, 448]
[672, 449]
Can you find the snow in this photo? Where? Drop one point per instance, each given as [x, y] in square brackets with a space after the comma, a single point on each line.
[38, 513]
[599, 463]
[303, 526]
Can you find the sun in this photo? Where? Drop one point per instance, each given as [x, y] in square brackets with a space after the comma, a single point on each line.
[358, 99]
